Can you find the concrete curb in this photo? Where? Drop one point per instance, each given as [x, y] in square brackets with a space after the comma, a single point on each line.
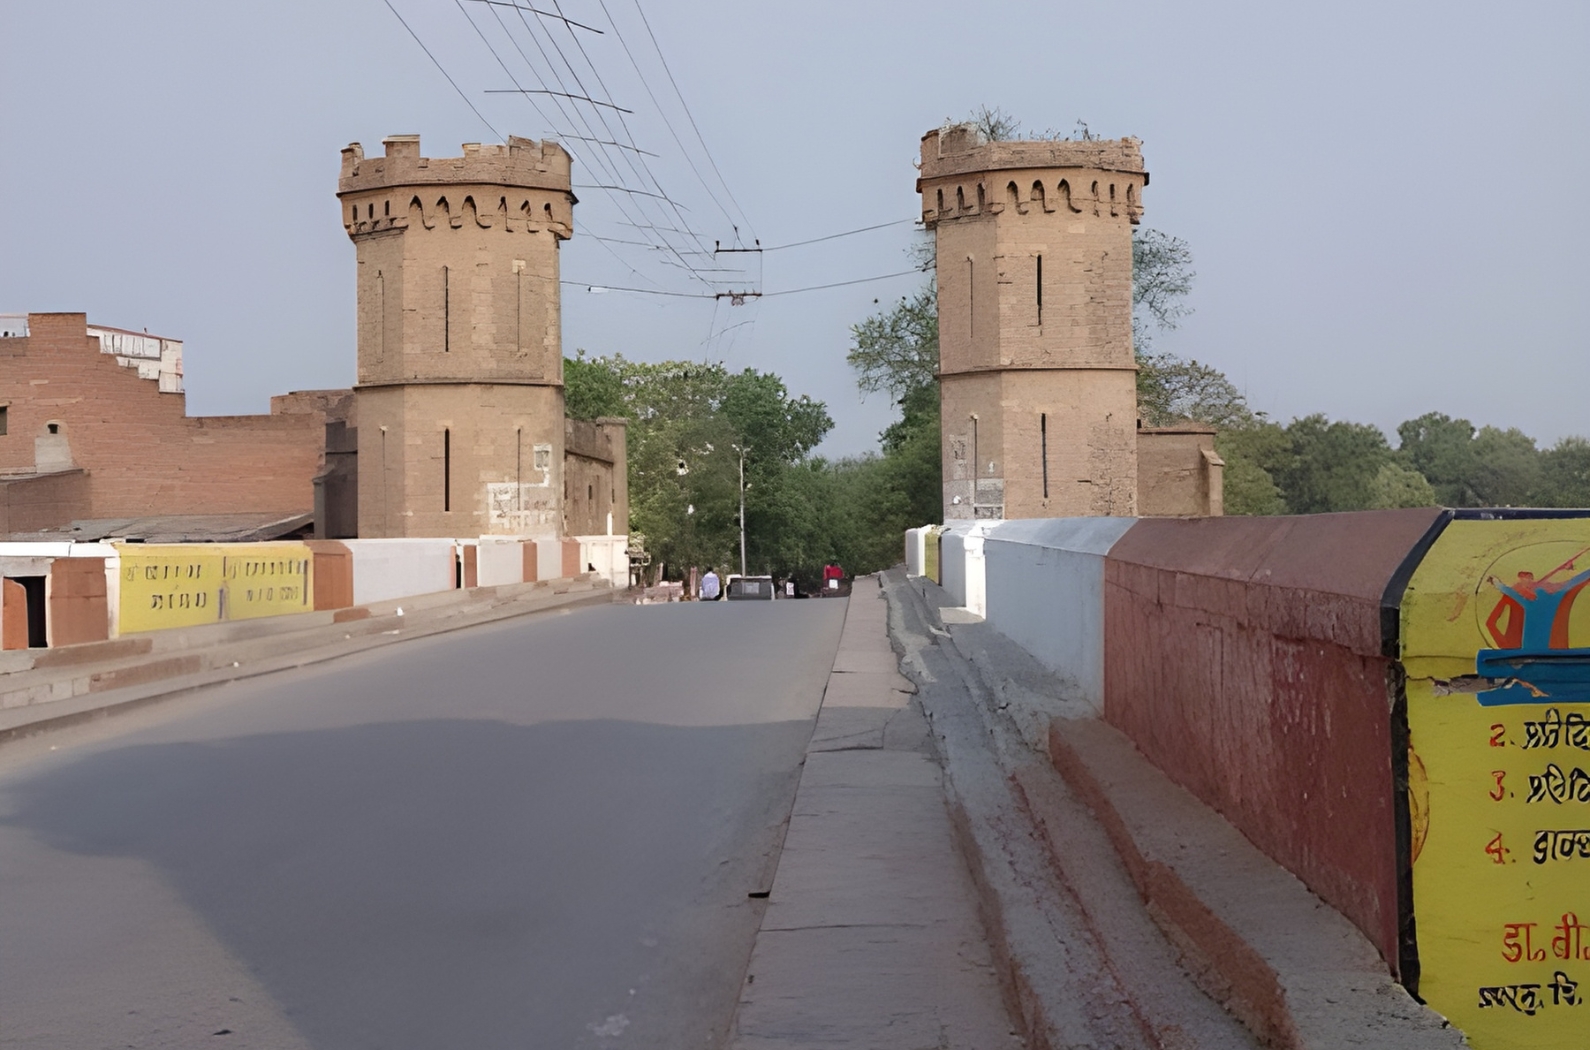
[162, 668]
[1297, 973]
[1065, 993]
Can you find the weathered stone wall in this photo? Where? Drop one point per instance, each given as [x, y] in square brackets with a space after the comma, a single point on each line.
[595, 485]
[1179, 474]
[460, 459]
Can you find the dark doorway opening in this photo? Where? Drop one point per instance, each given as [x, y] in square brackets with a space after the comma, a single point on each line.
[34, 586]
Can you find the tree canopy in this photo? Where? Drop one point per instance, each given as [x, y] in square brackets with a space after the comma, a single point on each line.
[689, 423]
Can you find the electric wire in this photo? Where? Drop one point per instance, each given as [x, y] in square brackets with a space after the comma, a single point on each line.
[836, 236]
[443, 70]
[561, 94]
[526, 7]
[611, 168]
[552, 68]
[601, 83]
[642, 170]
[633, 61]
[844, 284]
[656, 232]
[604, 161]
[750, 295]
[694, 126]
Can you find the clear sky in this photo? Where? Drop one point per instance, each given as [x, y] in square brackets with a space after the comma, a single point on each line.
[1380, 197]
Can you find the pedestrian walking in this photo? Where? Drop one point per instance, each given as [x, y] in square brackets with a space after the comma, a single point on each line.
[709, 586]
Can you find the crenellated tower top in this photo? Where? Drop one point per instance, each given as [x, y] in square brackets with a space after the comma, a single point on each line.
[527, 184]
[964, 175]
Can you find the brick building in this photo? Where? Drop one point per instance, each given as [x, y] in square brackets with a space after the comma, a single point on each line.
[94, 427]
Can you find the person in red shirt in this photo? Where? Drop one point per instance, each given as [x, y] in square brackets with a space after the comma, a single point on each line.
[832, 574]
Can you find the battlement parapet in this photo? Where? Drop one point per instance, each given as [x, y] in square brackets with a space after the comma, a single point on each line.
[522, 163]
[961, 150]
[965, 176]
[403, 190]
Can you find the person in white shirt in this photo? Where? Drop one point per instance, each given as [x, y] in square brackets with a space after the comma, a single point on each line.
[709, 586]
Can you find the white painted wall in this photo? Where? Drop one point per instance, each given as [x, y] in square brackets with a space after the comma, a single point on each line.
[549, 559]
[1045, 592]
[54, 550]
[499, 561]
[961, 565]
[610, 555]
[914, 551]
[400, 568]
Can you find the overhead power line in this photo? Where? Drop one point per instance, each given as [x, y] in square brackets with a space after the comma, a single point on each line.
[543, 14]
[733, 295]
[560, 94]
[836, 236]
[690, 116]
[843, 284]
[604, 142]
[625, 189]
[661, 112]
[605, 163]
[599, 288]
[443, 71]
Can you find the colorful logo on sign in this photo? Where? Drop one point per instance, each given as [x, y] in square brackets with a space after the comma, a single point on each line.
[1530, 622]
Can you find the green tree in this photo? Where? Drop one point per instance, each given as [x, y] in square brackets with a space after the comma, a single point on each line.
[1162, 278]
[1399, 485]
[1564, 479]
[591, 388]
[1489, 467]
[1251, 453]
[1442, 449]
[1332, 465]
[686, 422]
[897, 351]
[1171, 389]
[1506, 467]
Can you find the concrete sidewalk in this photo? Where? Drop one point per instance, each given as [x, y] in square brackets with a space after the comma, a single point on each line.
[57, 688]
[871, 938]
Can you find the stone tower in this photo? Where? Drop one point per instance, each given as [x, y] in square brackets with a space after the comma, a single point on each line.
[460, 357]
[1037, 379]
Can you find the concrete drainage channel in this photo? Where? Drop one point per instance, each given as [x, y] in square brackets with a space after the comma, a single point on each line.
[1124, 912]
[56, 688]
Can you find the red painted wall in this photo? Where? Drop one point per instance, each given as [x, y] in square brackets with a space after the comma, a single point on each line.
[79, 604]
[1243, 657]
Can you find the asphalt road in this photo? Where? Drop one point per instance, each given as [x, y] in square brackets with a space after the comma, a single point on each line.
[533, 834]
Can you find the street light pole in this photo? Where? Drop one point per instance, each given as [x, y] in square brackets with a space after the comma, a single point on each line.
[742, 453]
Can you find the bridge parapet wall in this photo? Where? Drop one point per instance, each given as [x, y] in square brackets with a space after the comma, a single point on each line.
[1044, 588]
[1247, 658]
[1394, 706]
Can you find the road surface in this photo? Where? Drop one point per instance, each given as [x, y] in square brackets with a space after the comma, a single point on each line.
[534, 834]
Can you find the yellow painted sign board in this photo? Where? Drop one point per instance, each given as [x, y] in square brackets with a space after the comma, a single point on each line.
[267, 579]
[187, 584]
[1496, 644]
[169, 585]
